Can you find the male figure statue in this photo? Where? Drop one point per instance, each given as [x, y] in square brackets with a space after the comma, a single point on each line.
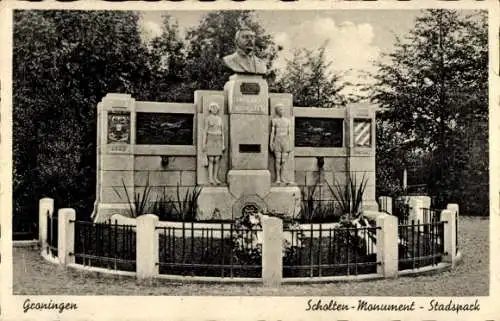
[244, 59]
[280, 143]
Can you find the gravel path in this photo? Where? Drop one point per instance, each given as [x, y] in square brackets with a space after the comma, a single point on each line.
[34, 276]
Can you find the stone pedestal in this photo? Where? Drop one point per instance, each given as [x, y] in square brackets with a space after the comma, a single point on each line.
[243, 182]
[284, 199]
[115, 155]
[360, 119]
[215, 203]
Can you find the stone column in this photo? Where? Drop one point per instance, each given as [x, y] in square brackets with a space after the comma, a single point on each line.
[360, 121]
[66, 235]
[387, 245]
[416, 210]
[455, 208]
[450, 242]
[272, 251]
[147, 247]
[115, 156]
[385, 204]
[45, 206]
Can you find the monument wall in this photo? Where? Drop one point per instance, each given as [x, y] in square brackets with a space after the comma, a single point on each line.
[158, 144]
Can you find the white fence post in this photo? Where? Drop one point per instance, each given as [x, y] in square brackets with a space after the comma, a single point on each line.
[455, 208]
[385, 204]
[416, 212]
[272, 251]
[45, 205]
[147, 247]
[66, 235]
[450, 242]
[387, 245]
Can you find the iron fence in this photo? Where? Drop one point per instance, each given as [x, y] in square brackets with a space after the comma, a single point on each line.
[222, 251]
[52, 234]
[24, 228]
[420, 244]
[431, 215]
[319, 251]
[107, 245]
[401, 209]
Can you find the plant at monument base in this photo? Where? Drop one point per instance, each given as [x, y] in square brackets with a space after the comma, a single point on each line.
[140, 204]
[349, 196]
[163, 207]
[186, 207]
[307, 207]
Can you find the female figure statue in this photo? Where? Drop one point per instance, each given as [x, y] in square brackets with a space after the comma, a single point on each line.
[281, 132]
[213, 142]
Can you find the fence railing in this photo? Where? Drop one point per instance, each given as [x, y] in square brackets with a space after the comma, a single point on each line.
[105, 245]
[420, 244]
[317, 252]
[216, 251]
[52, 234]
[272, 254]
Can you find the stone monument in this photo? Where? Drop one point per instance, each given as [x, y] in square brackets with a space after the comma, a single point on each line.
[232, 144]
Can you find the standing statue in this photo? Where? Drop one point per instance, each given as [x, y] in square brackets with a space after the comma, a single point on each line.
[213, 142]
[280, 143]
[244, 59]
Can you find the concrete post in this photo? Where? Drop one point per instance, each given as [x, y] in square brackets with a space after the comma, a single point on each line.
[450, 242]
[426, 201]
[385, 204]
[387, 245]
[66, 235]
[147, 247]
[455, 208]
[45, 205]
[272, 251]
[416, 211]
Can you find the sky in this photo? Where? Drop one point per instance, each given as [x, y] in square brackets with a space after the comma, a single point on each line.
[354, 38]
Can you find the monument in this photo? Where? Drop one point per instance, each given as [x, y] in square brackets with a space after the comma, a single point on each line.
[233, 144]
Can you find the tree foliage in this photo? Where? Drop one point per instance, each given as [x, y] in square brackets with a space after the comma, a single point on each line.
[434, 91]
[308, 77]
[64, 63]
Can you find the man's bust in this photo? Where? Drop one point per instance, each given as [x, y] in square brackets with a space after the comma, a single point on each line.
[244, 59]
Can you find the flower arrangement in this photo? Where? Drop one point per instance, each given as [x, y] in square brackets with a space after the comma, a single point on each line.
[247, 236]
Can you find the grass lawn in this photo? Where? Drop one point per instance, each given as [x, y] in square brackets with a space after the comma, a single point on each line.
[34, 276]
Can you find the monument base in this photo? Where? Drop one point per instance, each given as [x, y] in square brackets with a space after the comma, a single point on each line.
[284, 199]
[215, 203]
[249, 182]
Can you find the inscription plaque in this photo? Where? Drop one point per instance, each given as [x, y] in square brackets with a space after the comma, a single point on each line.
[250, 88]
[319, 132]
[164, 129]
[249, 148]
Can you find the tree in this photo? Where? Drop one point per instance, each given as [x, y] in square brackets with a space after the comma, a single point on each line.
[433, 87]
[167, 62]
[64, 63]
[213, 39]
[308, 77]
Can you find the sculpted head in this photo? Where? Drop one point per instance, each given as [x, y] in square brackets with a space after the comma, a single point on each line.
[213, 108]
[279, 109]
[245, 40]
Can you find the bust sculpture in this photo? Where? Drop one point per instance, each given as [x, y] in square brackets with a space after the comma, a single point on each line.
[280, 143]
[213, 142]
[244, 59]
